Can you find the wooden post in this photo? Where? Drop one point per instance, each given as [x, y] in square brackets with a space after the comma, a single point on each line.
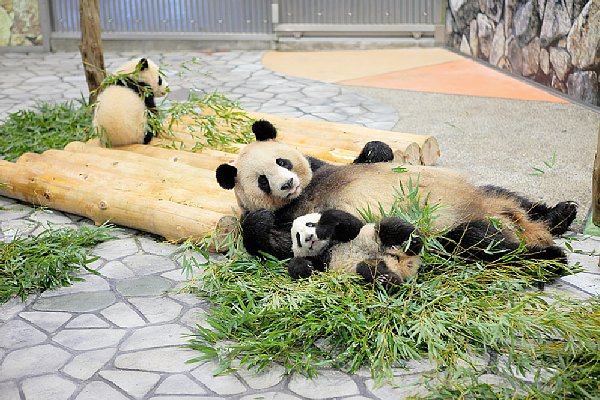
[596, 185]
[91, 46]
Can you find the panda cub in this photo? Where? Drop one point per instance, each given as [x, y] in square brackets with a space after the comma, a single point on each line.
[274, 184]
[387, 251]
[120, 112]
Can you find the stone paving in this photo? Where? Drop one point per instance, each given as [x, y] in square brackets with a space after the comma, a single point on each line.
[119, 335]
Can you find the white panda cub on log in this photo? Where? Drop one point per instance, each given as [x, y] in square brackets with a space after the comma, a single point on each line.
[386, 251]
[120, 115]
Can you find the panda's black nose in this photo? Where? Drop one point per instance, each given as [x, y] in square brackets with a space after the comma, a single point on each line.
[288, 184]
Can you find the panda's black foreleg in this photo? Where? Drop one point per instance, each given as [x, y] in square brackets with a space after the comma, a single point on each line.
[153, 112]
[303, 267]
[395, 231]
[148, 136]
[481, 240]
[558, 218]
[377, 270]
[261, 234]
[338, 225]
[375, 152]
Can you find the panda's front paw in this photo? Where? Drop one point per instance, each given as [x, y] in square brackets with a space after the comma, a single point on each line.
[258, 221]
[299, 267]
[395, 231]
[338, 225]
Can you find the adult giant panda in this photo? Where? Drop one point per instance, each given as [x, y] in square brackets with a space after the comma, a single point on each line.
[120, 113]
[387, 251]
[274, 184]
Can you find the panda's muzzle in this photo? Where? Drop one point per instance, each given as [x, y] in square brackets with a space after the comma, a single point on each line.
[288, 184]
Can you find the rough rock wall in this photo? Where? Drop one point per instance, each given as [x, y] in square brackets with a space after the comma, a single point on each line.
[554, 42]
[20, 23]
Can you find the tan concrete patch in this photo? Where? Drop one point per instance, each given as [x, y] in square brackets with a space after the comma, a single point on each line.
[334, 66]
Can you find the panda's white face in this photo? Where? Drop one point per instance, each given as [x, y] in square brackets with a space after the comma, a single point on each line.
[305, 242]
[149, 74]
[270, 175]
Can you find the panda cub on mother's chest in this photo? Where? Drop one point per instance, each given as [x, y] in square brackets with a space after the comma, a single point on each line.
[387, 251]
[120, 115]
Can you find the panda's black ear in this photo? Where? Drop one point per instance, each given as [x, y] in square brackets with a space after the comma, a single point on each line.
[264, 130]
[143, 64]
[226, 176]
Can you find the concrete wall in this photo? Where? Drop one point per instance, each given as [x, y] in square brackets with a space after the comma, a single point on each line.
[20, 23]
[554, 42]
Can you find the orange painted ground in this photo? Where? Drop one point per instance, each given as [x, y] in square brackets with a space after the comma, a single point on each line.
[432, 70]
[463, 77]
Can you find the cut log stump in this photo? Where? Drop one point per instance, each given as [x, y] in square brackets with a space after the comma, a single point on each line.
[174, 193]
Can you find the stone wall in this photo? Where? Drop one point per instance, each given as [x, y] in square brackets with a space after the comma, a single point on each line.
[554, 42]
[20, 23]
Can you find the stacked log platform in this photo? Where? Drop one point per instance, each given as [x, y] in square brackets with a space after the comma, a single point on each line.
[171, 192]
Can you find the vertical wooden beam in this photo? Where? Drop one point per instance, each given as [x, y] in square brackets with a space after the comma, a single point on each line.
[90, 47]
[596, 185]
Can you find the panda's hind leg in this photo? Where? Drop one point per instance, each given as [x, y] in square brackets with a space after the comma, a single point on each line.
[375, 152]
[481, 240]
[557, 218]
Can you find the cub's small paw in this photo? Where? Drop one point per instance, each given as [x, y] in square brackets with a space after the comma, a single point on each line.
[395, 231]
[299, 267]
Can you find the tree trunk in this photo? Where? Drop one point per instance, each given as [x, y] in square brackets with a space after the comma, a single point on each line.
[91, 46]
[596, 186]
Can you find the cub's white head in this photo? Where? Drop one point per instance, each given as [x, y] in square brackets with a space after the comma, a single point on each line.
[305, 242]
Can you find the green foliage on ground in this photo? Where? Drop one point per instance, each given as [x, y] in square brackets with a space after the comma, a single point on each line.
[48, 260]
[455, 313]
[46, 126]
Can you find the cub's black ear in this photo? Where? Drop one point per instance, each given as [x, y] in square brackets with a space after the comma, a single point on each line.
[264, 130]
[226, 176]
[143, 64]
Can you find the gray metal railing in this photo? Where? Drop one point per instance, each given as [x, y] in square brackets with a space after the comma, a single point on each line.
[248, 19]
[357, 12]
[169, 16]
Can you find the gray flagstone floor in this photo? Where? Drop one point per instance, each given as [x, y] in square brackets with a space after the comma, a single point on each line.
[119, 335]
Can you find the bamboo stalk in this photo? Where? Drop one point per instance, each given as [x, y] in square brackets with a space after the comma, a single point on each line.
[101, 203]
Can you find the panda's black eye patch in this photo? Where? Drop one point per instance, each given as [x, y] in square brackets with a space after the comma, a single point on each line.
[159, 81]
[311, 224]
[263, 184]
[284, 162]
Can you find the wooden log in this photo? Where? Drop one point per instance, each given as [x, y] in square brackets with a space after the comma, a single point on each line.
[339, 153]
[91, 46]
[195, 196]
[429, 147]
[596, 185]
[101, 203]
[207, 159]
[141, 168]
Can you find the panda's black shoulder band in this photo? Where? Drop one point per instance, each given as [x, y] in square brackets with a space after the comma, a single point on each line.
[264, 130]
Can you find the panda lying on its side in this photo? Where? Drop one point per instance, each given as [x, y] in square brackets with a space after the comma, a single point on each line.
[387, 251]
[120, 111]
[274, 184]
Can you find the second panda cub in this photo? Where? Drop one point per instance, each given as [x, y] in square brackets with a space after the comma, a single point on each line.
[122, 109]
[387, 251]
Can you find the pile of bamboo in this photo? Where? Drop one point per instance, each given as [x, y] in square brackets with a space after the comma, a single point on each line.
[174, 193]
